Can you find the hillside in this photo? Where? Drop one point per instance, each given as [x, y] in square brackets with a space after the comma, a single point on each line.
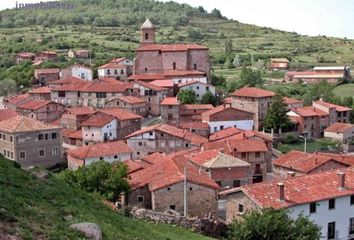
[34, 209]
[110, 28]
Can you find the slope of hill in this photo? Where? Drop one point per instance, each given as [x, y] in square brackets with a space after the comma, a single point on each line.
[110, 28]
[33, 209]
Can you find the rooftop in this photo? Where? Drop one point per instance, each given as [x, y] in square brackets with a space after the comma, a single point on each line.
[131, 99]
[194, 125]
[170, 101]
[34, 104]
[40, 90]
[147, 24]
[166, 83]
[339, 127]
[24, 124]
[100, 149]
[309, 111]
[331, 105]
[7, 113]
[171, 47]
[197, 106]
[281, 60]
[120, 114]
[289, 101]
[98, 119]
[77, 111]
[226, 132]
[47, 71]
[252, 92]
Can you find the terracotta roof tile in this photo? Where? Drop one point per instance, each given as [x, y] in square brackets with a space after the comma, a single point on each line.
[225, 133]
[191, 83]
[150, 86]
[331, 105]
[131, 99]
[24, 124]
[339, 127]
[196, 106]
[98, 119]
[17, 99]
[100, 150]
[252, 92]
[194, 125]
[34, 104]
[206, 115]
[47, 71]
[77, 111]
[309, 111]
[120, 114]
[7, 113]
[112, 65]
[40, 90]
[288, 101]
[165, 83]
[68, 80]
[170, 101]
[171, 47]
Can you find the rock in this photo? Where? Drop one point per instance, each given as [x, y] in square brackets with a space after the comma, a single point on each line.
[41, 175]
[90, 230]
[68, 217]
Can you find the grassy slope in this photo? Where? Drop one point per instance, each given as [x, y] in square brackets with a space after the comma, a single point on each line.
[36, 209]
[344, 90]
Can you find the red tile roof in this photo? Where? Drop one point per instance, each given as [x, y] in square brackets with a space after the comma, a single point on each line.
[112, 65]
[182, 73]
[191, 83]
[131, 99]
[134, 165]
[194, 125]
[68, 80]
[7, 113]
[170, 101]
[120, 114]
[146, 76]
[339, 127]
[288, 101]
[197, 106]
[40, 90]
[34, 104]
[174, 131]
[171, 47]
[150, 86]
[299, 190]
[100, 149]
[17, 99]
[74, 134]
[105, 87]
[202, 157]
[77, 111]
[309, 111]
[165, 83]
[206, 115]
[24, 124]
[242, 144]
[108, 80]
[25, 55]
[304, 162]
[225, 133]
[252, 92]
[47, 71]
[331, 105]
[98, 119]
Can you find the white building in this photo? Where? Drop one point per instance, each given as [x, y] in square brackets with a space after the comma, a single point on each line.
[116, 151]
[342, 132]
[78, 71]
[327, 198]
[198, 87]
[120, 68]
[99, 127]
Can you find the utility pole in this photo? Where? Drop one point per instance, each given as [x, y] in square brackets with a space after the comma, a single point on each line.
[185, 209]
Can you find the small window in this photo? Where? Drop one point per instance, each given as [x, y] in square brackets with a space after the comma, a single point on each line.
[195, 66]
[11, 139]
[146, 36]
[190, 189]
[351, 225]
[55, 151]
[0, 135]
[187, 144]
[3, 137]
[221, 127]
[240, 208]
[115, 156]
[331, 203]
[313, 207]
[101, 158]
[54, 135]
[146, 69]
[162, 134]
[41, 153]
[140, 144]
[236, 183]
[138, 153]
[174, 66]
[4, 153]
[243, 155]
[168, 189]
[173, 207]
[140, 199]
[22, 155]
[258, 154]
[11, 155]
[40, 137]
[331, 230]
[352, 200]
[150, 133]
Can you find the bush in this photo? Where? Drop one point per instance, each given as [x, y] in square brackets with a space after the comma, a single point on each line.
[290, 139]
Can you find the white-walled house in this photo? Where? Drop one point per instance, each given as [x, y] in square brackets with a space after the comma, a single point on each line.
[198, 87]
[342, 132]
[116, 151]
[327, 198]
[78, 71]
[99, 127]
[119, 68]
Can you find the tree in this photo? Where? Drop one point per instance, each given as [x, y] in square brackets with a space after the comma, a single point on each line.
[228, 46]
[209, 98]
[251, 78]
[109, 180]
[187, 96]
[323, 90]
[271, 223]
[218, 80]
[216, 13]
[7, 87]
[276, 117]
[328, 143]
[228, 63]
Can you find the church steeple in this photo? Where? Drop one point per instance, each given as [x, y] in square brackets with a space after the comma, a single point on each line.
[147, 33]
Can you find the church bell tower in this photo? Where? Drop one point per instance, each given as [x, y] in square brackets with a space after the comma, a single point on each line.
[147, 33]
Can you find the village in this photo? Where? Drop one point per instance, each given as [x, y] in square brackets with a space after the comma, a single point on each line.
[189, 159]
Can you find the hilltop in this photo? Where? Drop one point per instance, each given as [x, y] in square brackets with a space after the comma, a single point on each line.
[110, 28]
[35, 209]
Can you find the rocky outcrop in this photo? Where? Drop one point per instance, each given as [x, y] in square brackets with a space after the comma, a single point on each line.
[90, 230]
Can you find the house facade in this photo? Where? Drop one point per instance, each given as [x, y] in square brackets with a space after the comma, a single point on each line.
[41, 110]
[78, 71]
[120, 68]
[130, 103]
[44, 76]
[342, 132]
[199, 88]
[99, 127]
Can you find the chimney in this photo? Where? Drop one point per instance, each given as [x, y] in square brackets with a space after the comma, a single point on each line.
[281, 191]
[341, 180]
[290, 174]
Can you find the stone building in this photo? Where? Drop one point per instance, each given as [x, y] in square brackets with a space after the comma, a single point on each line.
[45, 56]
[73, 117]
[170, 110]
[119, 68]
[80, 53]
[253, 100]
[12, 102]
[30, 142]
[193, 112]
[336, 113]
[46, 75]
[162, 138]
[41, 110]
[116, 151]
[160, 186]
[24, 56]
[342, 132]
[199, 128]
[156, 58]
[41, 93]
[279, 63]
[130, 103]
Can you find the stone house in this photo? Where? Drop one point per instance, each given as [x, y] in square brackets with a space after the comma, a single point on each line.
[119, 68]
[199, 128]
[116, 151]
[342, 132]
[298, 163]
[162, 138]
[336, 113]
[293, 103]
[81, 53]
[227, 171]
[161, 186]
[46, 75]
[24, 56]
[226, 116]
[156, 58]
[193, 112]
[170, 110]
[279, 63]
[72, 138]
[326, 198]
[11, 102]
[130, 103]
[41, 110]
[41, 93]
[30, 142]
[73, 117]
[99, 127]
[254, 100]
[78, 71]
[45, 56]
[198, 87]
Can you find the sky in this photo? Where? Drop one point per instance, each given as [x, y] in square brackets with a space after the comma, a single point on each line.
[308, 17]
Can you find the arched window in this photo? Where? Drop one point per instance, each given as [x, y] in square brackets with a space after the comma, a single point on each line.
[195, 66]
[146, 69]
[146, 36]
[174, 66]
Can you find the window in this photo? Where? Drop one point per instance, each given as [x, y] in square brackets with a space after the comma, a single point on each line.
[115, 71]
[146, 69]
[243, 155]
[240, 208]
[173, 207]
[46, 136]
[344, 114]
[197, 87]
[22, 155]
[140, 199]
[151, 133]
[236, 183]
[140, 144]
[190, 189]
[170, 107]
[313, 207]
[121, 71]
[138, 153]
[174, 66]
[101, 95]
[3, 137]
[168, 189]
[218, 183]
[351, 225]
[352, 200]
[108, 72]
[41, 152]
[187, 144]
[207, 88]
[61, 94]
[162, 135]
[55, 151]
[195, 66]
[90, 94]
[11, 139]
[221, 127]
[11, 155]
[40, 137]
[331, 230]
[331, 203]
[0, 136]
[115, 156]
[258, 154]
[146, 36]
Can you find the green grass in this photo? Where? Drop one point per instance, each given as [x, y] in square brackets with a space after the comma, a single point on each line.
[35, 210]
[311, 146]
[344, 90]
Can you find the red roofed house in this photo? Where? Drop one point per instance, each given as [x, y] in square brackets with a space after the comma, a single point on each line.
[12, 101]
[327, 198]
[299, 163]
[160, 186]
[7, 113]
[111, 152]
[46, 56]
[225, 116]
[170, 110]
[253, 100]
[24, 56]
[77, 70]
[81, 53]
[41, 93]
[73, 117]
[193, 112]
[199, 128]
[129, 103]
[162, 138]
[41, 110]
[225, 133]
[342, 132]
[117, 68]
[279, 63]
[336, 113]
[198, 87]
[293, 103]
[44, 76]
[157, 58]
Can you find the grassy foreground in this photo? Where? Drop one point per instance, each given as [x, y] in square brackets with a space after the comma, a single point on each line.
[34, 209]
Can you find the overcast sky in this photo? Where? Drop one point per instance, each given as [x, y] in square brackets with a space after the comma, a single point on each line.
[310, 17]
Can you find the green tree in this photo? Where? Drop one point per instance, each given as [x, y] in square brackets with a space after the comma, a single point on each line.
[323, 90]
[228, 63]
[251, 78]
[274, 224]
[218, 80]
[276, 117]
[228, 46]
[216, 13]
[187, 96]
[109, 180]
[209, 98]
[328, 144]
[7, 87]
